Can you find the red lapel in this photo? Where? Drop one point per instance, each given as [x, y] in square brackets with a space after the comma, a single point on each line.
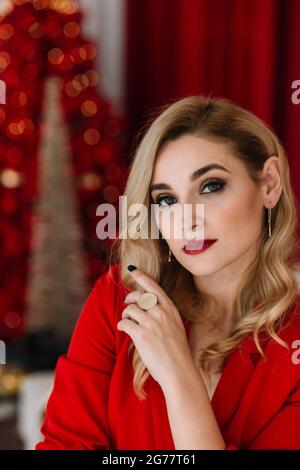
[242, 386]
[270, 384]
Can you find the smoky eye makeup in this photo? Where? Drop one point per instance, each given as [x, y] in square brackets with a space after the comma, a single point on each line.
[217, 183]
[213, 182]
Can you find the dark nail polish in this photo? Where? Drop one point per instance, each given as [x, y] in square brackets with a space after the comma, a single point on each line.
[130, 267]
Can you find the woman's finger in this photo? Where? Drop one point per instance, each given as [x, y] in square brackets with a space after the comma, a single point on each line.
[128, 326]
[132, 297]
[138, 315]
[150, 285]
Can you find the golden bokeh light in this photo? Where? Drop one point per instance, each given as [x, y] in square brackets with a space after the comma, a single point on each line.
[67, 7]
[17, 127]
[5, 60]
[89, 108]
[92, 77]
[71, 91]
[6, 31]
[55, 56]
[90, 181]
[89, 51]
[36, 30]
[6, 6]
[10, 178]
[71, 29]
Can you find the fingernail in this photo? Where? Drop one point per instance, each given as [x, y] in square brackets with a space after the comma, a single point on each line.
[130, 267]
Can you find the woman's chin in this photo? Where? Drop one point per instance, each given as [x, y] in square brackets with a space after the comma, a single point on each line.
[197, 267]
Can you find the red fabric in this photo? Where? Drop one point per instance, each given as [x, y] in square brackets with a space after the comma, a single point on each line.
[93, 404]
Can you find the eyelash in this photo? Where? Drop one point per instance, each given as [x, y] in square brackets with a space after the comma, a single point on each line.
[207, 183]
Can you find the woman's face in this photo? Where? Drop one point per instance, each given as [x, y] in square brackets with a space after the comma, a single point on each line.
[233, 204]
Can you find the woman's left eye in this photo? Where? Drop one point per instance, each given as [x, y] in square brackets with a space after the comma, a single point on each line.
[214, 183]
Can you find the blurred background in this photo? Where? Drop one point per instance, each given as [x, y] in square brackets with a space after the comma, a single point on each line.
[82, 79]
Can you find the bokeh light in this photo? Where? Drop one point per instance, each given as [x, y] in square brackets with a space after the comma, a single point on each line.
[92, 77]
[89, 108]
[12, 319]
[36, 30]
[55, 56]
[5, 60]
[71, 29]
[19, 99]
[91, 136]
[6, 31]
[111, 193]
[10, 178]
[90, 181]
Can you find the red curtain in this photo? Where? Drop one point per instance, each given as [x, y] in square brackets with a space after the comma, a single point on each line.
[248, 51]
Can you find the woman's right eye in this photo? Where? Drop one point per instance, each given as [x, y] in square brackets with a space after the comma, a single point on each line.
[161, 199]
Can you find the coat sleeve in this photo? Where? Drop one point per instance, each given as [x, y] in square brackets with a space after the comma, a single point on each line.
[76, 412]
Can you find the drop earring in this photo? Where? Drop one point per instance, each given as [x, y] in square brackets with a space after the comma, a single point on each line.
[170, 255]
[269, 221]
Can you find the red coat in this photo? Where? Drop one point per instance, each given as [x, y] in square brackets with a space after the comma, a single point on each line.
[93, 404]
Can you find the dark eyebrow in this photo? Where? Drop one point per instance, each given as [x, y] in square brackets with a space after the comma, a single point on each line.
[193, 176]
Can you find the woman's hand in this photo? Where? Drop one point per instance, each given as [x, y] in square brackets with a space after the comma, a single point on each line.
[158, 333]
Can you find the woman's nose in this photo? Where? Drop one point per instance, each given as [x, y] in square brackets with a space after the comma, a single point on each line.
[193, 220]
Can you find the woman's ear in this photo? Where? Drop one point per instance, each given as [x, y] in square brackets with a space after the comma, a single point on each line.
[272, 185]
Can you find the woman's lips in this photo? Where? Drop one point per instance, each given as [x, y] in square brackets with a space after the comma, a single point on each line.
[197, 246]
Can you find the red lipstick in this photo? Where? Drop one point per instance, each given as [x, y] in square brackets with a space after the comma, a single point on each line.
[198, 246]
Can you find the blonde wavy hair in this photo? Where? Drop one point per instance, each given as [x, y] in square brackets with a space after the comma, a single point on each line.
[268, 289]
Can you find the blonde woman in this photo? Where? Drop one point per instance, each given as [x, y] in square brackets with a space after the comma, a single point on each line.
[185, 344]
